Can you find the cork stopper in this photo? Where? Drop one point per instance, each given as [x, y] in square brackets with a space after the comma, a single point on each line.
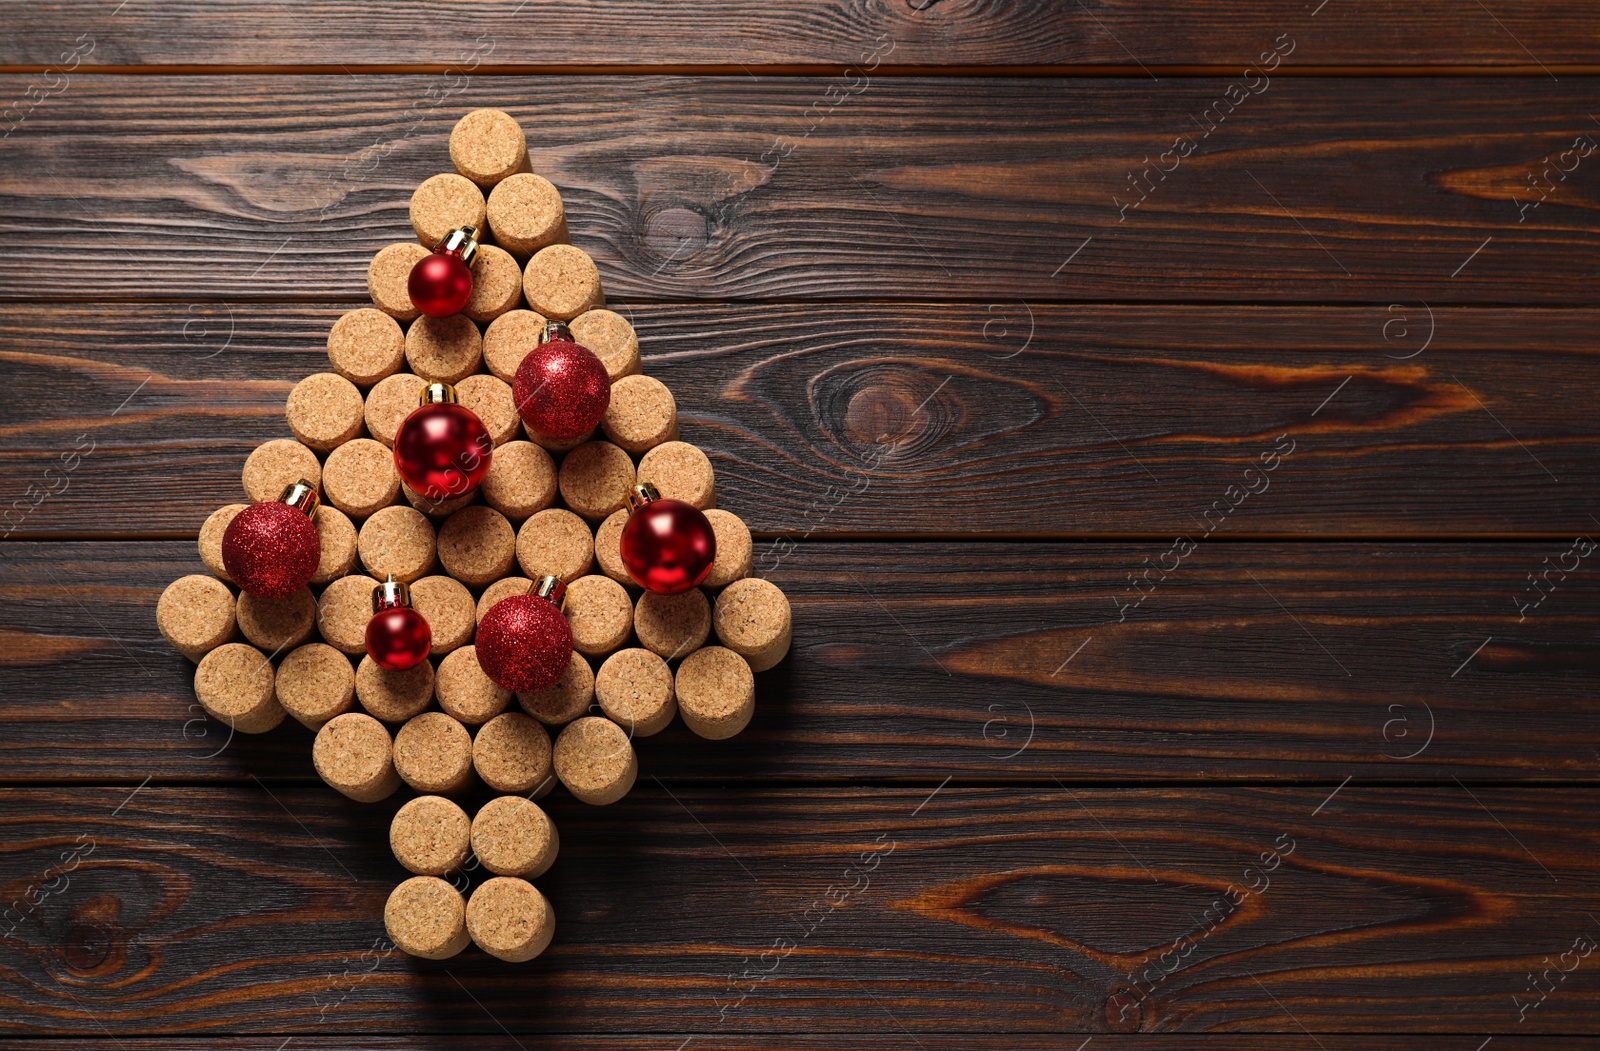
[324, 411]
[490, 398]
[196, 615]
[354, 755]
[752, 619]
[390, 402]
[594, 479]
[389, 276]
[510, 920]
[612, 339]
[393, 696]
[398, 542]
[501, 589]
[564, 700]
[487, 145]
[343, 612]
[466, 693]
[277, 624]
[233, 683]
[437, 510]
[555, 445]
[735, 549]
[477, 545]
[716, 692]
[496, 285]
[366, 345]
[608, 549]
[594, 759]
[513, 836]
[634, 688]
[557, 542]
[430, 836]
[444, 349]
[526, 214]
[433, 753]
[445, 203]
[562, 282]
[359, 477]
[521, 480]
[681, 472]
[511, 753]
[426, 917]
[600, 614]
[447, 606]
[315, 684]
[642, 414]
[211, 537]
[672, 626]
[338, 536]
[277, 464]
[509, 339]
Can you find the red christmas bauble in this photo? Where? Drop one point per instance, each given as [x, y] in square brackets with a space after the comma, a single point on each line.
[562, 389]
[668, 546]
[524, 643]
[442, 450]
[398, 638]
[440, 284]
[271, 549]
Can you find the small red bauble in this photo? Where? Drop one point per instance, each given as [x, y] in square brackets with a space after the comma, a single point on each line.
[524, 642]
[667, 545]
[562, 389]
[398, 637]
[442, 449]
[271, 549]
[441, 282]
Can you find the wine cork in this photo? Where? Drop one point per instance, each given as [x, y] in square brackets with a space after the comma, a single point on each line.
[521, 480]
[315, 684]
[555, 542]
[389, 277]
[511, 337]
[672, 626]
[716, 692]
[526, 214]
[354, 754]
[511, 753]
[642, 414]
[277, 625]
[611, 338]
[594, 479]
[390, 402]
[496, 284]
[430, 836]
[608, 548]
[680, 471]
[447, 606]
[438, 510]
[366, 345]
[398, 542]
[338, 536]
[752, 619]
[565, 699]
[600, 614]
[343, 612]
[465, 692]
[233, 683]
[433, 753]
[490, 398]
[562, 282]
[196, 615]
[501, 589]
[444, 203]
[735, 549]
[555, 445]
[634, 689]
[324, 411]
[211, 539]
[595, 760]
[359, 478]
[509, 919]
[426, 917]
[390, 695]
[513, 836]
[443, 349]
[477, 545]
[276, 465]
[487, 145]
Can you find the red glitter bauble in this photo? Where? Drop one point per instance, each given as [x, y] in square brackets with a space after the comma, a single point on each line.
[562, 390]
[668, 546]
[271, 549]
[398, 638]
[442, 450]
[524, 643]
[440, 284]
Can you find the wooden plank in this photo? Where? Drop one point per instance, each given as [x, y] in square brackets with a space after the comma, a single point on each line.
[892, 1040]
[902, 419]
[1314, 190]
[1391, 909]
[973, 661]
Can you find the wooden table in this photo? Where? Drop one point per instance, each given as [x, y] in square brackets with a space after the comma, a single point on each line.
[1174, 425]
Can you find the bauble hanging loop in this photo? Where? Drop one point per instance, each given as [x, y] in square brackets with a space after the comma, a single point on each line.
[442, 450]
[398, 637]
[524, 642]
[271, 549]
[441, 282]
[668, 546]
[561, 388]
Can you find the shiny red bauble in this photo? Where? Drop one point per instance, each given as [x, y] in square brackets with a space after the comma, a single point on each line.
[271, 549]
[524, 643]
[562, 389]
[442, 450]
[440, 284]
[668, 546]
[398, 638]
